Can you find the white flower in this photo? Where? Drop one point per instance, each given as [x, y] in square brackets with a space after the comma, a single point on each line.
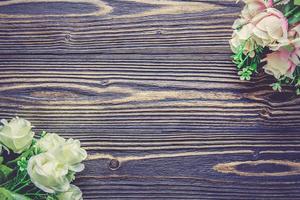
[67, 152]
[50, 142]
[48, 174]
[16, 134]
[71, 154]
[73, 193]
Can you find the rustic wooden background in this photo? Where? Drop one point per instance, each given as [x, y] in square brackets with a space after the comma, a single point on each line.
[149, 88]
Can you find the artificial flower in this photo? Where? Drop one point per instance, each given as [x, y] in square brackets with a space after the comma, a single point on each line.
[279, 64]
[71, 154]
[238, 40]
[73, 193]
[239, 23]
[68, 152]
[48, 174]
[254, 7]
[268, 33]
[50, 142]
[288, 51]
[292, 41]
[269, 27]
[16, 134]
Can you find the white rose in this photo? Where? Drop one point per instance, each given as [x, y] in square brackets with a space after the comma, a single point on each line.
[16, 134]
[71, 154]
[50, 142]
[73, 193]
[47, 173]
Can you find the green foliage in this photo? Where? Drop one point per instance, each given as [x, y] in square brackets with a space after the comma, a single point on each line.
[52, 197]
[16, 183]
[292, 12]
[276, 86]
[71, 176]
[8, 195]
[14, 178]
[245, 73]
[295, 18]
[291, 81]
[4, 172]
[246, 64]
[22, 163]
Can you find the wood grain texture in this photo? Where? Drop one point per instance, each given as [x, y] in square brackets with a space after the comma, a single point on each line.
[149, 88]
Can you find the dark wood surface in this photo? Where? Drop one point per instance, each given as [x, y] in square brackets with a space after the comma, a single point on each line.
[149, 88]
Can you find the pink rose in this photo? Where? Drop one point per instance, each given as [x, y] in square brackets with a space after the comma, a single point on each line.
[269, 27]
[280, 63]
[289, 49]
[254, 7]
[292, 38]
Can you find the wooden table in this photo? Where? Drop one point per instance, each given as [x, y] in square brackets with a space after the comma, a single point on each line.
[149, 88]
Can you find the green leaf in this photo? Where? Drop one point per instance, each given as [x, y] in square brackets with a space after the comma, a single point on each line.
[276, 86]
[71, 176]
[22, 163]
[8, 195]
[52, 198]
[19, 197]
[4, 172]
[288, 7]
[297, 2]
[5, 194]
[294, 18]
[298, 82]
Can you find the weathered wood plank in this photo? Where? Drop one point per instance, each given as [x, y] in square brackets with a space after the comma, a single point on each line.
[167, 176]
[149, 88]
[126, 26]
[141, 90]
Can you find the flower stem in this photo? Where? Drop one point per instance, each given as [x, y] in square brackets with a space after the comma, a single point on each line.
[23, 186]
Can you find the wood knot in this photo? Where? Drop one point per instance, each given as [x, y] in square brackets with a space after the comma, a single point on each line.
[104, 82]
[265, 112]
[260, 168]
[68, 37]
[158, 32]
[114, 164]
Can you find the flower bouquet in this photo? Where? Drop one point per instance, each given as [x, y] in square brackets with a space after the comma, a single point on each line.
[267, 35]
[37, 169]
